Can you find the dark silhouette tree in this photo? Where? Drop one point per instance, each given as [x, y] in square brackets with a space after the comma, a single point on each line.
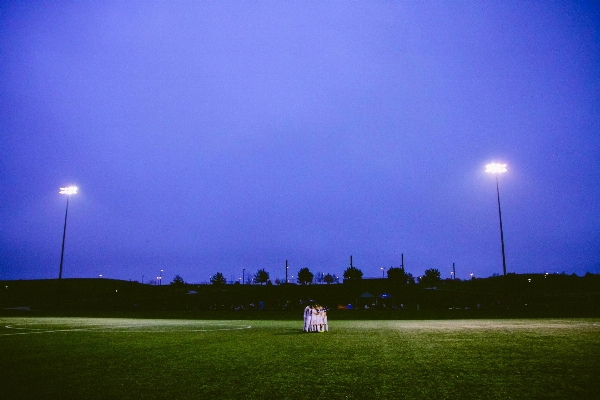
[328, 279]
[218, 279]
[305, 276]
[431, 278]
[261, 276]
[353, 274]
[178, 281]
[396, 275]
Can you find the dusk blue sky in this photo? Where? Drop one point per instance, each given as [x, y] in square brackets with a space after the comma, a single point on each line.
[215, 136]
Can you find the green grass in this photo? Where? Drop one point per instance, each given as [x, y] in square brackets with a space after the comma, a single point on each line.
[141, 358]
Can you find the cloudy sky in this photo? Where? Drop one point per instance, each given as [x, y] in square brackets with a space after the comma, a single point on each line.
[219, 136]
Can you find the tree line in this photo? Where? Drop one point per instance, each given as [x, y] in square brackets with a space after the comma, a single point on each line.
[431, 278]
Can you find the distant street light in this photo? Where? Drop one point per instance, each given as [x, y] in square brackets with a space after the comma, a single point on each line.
[382, 272]
[497, 169]
[68, 191]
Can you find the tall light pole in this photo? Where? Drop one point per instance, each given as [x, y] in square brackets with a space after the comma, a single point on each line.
[453, 272]
[497, 169]
[68, 191]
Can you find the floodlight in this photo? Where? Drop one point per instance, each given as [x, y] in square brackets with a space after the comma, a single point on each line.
[68, 190]
[495, 168]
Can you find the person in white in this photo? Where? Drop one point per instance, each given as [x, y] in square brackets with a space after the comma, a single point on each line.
[307, 315]
[320, 319]
[314, 320]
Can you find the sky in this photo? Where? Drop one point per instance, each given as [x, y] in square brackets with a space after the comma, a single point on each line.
[230, 136]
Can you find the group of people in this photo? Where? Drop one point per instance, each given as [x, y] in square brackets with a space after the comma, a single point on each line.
[315, 319]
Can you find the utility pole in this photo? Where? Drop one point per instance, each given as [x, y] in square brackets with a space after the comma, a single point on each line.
[402, 262]
[286, 271]
[501, 232]
[453, 272]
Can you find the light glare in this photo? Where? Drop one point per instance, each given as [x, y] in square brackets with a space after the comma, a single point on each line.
[68, 190]
[495, 168]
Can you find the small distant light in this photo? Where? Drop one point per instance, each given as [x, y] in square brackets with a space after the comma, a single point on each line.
[116, 290]
[529, 279]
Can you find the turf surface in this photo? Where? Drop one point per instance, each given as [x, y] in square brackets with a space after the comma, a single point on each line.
[144, 358]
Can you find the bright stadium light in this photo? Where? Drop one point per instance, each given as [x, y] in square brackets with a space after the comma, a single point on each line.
[68, 191]
[497, 169]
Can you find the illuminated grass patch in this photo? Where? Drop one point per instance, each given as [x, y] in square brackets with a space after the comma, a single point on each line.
[129, 358]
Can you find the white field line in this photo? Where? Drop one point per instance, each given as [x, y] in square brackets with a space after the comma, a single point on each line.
[118, 329]
[34, 331]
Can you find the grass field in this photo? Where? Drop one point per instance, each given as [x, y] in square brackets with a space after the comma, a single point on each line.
[149, 358]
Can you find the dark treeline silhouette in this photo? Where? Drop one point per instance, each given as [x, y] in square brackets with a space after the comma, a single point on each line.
[514, 295]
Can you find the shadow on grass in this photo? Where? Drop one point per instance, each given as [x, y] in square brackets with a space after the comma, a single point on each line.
[291, 331]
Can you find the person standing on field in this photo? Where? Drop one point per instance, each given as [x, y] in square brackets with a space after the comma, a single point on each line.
[314, 319]
[307, 314]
